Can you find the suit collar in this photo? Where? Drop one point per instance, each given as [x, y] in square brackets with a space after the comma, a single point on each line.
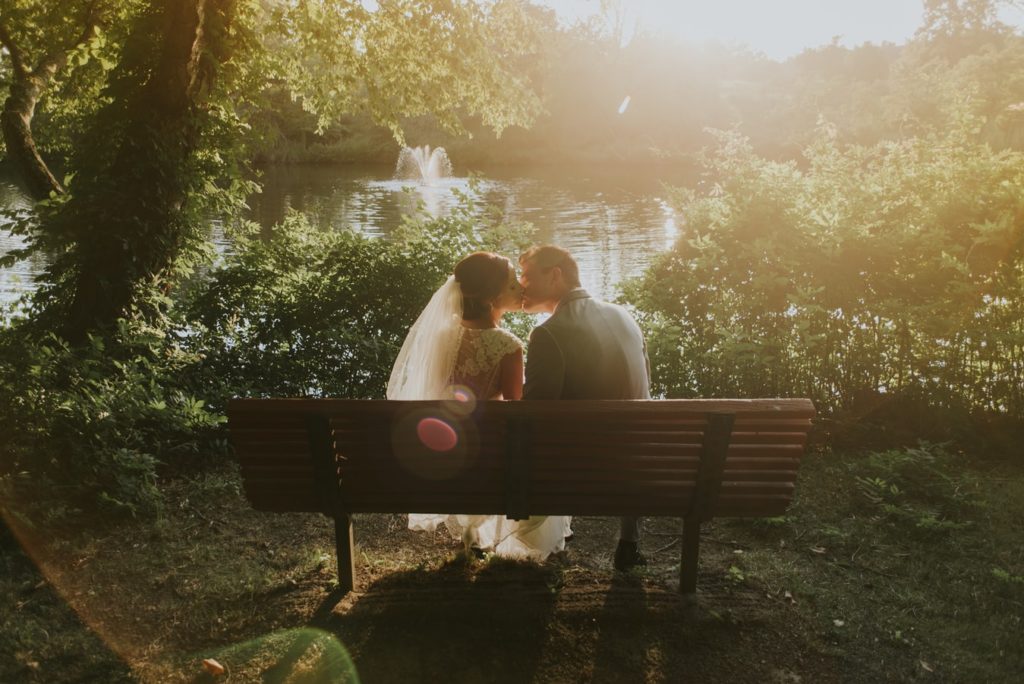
[578, 293]
[574, 295]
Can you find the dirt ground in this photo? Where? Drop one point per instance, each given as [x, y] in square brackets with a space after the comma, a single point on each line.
[257, 592]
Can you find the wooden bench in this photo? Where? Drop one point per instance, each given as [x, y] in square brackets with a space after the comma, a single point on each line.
[692, 459]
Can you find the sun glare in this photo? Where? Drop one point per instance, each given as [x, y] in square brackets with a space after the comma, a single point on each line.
[779, 29]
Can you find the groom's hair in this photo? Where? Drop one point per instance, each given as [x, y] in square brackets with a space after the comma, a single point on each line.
[549, 256]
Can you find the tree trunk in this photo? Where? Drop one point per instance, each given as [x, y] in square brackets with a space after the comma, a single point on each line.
[26, 87]
[16, 122]
[128, 224]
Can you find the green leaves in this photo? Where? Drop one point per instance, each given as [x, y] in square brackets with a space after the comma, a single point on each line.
[921, 488]
[91, 424]
[404, 58]
[898, 268]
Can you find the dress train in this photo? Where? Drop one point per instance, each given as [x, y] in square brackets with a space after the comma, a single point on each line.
[535, 538]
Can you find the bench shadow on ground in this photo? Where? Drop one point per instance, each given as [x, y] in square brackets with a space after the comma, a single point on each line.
[615, 657]
[463, 622]
[505, 621]
[420, 614]
[646, 631]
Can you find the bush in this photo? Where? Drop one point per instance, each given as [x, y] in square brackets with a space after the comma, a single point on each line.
[87, 428]
[923, 487]
[890, 271]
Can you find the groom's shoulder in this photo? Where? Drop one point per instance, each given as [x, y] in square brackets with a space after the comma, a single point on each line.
[616, 313]
[574, 311]
[594, 305]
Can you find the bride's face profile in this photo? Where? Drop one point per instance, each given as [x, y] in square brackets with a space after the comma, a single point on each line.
[511, 296]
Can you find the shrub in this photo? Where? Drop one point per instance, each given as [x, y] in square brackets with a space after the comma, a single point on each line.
[895, 270]
[921, 486]
[87, 428]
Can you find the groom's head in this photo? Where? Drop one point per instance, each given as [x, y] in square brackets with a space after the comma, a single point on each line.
[547, 274]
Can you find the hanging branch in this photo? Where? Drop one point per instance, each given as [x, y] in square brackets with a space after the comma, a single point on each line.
[13, 51]
[26, 88]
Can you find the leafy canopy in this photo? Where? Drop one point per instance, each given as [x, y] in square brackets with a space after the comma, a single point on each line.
[401, 58]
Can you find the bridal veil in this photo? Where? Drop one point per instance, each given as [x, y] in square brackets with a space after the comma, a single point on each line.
[424, 366]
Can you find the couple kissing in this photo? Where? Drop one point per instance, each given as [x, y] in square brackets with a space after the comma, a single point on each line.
[586, 349]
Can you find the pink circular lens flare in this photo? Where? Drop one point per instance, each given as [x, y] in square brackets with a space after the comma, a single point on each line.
[436, 435]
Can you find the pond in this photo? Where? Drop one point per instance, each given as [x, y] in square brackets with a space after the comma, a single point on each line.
[613, 220]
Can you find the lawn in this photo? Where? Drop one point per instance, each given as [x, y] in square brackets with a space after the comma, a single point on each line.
[899, 565]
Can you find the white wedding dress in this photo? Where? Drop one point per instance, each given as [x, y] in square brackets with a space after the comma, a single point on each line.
[438, 356]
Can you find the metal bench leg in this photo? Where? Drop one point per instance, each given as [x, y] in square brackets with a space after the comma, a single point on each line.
[691, 551]
[346, 558]
[321, 446]
[717, 435]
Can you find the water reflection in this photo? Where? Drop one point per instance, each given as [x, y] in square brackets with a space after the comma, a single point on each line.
[17, 278]
[671, 225]
[614, 222]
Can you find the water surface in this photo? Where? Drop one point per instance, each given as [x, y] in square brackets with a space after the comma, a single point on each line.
[613, 220]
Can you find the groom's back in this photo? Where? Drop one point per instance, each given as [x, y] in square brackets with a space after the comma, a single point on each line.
[588, 349]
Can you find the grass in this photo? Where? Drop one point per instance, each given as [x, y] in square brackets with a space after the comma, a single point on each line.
[890, 566]
[909, 583]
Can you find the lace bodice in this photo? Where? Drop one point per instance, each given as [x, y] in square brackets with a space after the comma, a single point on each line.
[479, 358]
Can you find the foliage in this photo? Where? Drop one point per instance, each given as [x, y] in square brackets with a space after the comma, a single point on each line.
[168, 142]
[895, 270]
[582, 74]
[892, 270]
[90, 431]
[482, 68]
[160, 150]
[407, 58]
[57, 54]
[76, 91]
[915, 487]
[1008, 578]
[309, 312]
[39, 27]
[894, 576]
[162, 154]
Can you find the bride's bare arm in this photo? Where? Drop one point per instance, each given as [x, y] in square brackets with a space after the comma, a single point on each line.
[512, 376]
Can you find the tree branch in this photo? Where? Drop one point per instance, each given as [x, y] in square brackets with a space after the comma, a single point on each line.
[55, 61]
[209, 50]
[17, 59]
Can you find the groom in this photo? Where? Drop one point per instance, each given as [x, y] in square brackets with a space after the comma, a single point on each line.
[587, 349]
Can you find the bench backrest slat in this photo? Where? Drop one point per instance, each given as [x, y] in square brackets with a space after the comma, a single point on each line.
[581, 457]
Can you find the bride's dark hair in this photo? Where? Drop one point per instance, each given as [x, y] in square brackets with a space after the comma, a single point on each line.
[481, 277]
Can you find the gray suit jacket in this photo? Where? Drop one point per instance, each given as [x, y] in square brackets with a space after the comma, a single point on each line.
[587, 349]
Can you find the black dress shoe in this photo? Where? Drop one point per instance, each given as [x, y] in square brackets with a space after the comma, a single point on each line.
[627, 555]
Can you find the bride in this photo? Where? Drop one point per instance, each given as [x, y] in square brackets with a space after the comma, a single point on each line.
[457, 342]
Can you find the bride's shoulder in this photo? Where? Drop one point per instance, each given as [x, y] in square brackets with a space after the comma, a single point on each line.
[507, 339]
